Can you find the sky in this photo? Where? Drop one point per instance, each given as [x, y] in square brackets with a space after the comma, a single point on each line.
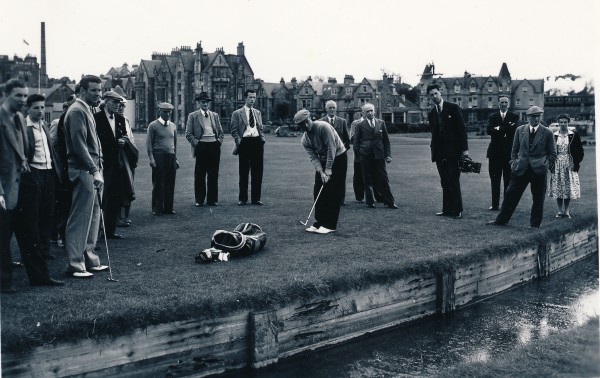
[327, 38]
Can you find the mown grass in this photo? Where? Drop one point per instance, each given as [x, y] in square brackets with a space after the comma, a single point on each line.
[568, 353]
[159, 281]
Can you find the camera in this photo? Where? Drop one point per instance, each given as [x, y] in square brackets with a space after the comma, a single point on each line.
[467, 165]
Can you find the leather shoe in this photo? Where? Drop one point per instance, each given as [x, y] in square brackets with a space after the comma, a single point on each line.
[493, 208]
[212, 204]
[370, 206]
[359, 201]
[198, 204]
[115, 236]
[442, 214]
[259, 203]
[172, 212]
[494, 223]
[242, 203]
[49, 282]
[458, 216]
[392, 206]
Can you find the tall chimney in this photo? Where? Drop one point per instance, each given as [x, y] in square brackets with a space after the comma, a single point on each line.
[43, 75]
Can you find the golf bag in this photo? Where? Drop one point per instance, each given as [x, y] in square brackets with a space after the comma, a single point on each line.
[245, 239]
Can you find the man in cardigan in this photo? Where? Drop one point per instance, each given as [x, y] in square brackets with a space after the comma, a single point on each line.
[111, 131]
[339, 124]
[203, 131]
[501, 128]
[448, 146]
[161, 145]
[372, 145]
[328, 155]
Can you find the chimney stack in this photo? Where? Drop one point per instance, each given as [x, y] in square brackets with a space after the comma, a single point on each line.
[43, 75]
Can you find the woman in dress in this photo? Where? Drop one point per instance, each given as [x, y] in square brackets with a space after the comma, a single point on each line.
[564, 183]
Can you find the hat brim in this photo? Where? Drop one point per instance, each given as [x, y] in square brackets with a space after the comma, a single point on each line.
[203, 99]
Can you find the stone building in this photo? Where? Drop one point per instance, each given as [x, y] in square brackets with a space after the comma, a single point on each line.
[478, 95]
[26, 69]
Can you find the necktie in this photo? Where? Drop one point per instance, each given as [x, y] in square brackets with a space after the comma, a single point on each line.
[251, 118]
[531, 136]
[502, 114]
[372, 124]
[206, 114]
[111, 116]
[331, 121]
[439, 108]
[166, 123]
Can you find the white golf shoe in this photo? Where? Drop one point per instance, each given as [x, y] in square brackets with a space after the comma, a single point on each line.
[311, 229]
[323, 230]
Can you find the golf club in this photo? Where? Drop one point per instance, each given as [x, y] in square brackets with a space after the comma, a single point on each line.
[110, 277]
[313, 206]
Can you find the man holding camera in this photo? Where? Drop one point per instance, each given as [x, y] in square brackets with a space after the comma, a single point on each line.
[448, 146]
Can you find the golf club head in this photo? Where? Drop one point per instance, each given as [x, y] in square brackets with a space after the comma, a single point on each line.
[112, 279]
[304, 223]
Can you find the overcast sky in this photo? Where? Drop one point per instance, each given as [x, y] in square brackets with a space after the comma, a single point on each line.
[292, 38]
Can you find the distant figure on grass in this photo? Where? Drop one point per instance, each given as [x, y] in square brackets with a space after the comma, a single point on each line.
[111, 133]
[371, 144]
[161, 145]
[249, 137]
[339, 124]
[204, 132]
[448, 146]
[129, 156]
[328, 155]
[533, 154]
[501, 128]
[85, 156]
[564, 182]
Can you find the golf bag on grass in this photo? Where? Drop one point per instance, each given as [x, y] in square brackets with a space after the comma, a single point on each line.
[245, 239]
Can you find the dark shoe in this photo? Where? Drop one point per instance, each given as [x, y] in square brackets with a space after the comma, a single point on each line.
[122, 223]
[494, 223]
[48, 256]
[370, 206]
[392, 206]
[493, 208]
[16, 264]
[242, 203]
[212, 204]
[359, 201]
[172, 212]
[442, 214]
[259, 203]
[198, 204]
[115, 236]
[9, 290]
[49, 282]
[458, 216]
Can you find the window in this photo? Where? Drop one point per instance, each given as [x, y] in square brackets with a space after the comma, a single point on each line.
[472, 88]
[524, 89]
[179, 99]
[456, 88]
[490, 87]
[179, 75]
[306, 104]
[179, 87]
[349, 91]
[364, 89]
[474, 101]
[490, 102]
[472, 117]
[459, 101]
[305, 90]
[334, 91]
[500, 87]
[518, 102]
[530, 102]
[239, 94]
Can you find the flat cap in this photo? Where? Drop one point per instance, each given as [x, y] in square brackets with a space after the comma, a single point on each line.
[112, 95]
[165, 106]
[535, 110]
[563, 116]
[203, 96]
[301, 116]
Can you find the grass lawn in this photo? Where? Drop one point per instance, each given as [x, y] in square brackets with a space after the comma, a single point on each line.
[569, 353]
[160, 282]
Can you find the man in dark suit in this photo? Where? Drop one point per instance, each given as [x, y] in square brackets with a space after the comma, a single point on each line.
[532, 156]
[204, 132]
[501, 128]
[85, 155]
[111, 130]
[448, 146]
[339, 124]
[12, 164]
[249, 137]
[371, 144]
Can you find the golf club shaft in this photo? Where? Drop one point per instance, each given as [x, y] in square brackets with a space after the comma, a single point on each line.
[104, 233]
[314, 204]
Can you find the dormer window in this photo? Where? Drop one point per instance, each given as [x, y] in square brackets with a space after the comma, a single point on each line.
[490, 87]
[472, 88]
[456, 88]
[524, 89]
[349, 91]
[364, 89]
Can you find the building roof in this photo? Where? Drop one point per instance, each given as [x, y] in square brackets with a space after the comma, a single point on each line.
[50, 91]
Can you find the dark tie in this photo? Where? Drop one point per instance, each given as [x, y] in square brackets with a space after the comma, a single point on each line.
[206, 114]
[251, 118]
[166, 123]
[331, 121]
[439, 108]
[531, 136]
[111, 116]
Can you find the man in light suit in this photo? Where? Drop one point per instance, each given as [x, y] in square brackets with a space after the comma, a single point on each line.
[84, 159]
[12, 164]
[112, 130]
[339, 124]
[448, 146]
[371, 144]
[532, 156]
[249, 137]
[204, 132]
[501, 128]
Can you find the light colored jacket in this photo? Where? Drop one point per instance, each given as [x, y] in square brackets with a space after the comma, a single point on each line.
[194, 128]
[540, 156]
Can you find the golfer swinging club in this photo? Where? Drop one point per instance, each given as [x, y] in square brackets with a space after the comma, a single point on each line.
[328, 155]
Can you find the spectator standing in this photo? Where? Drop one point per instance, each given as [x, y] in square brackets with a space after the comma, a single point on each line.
[161, 145]
[340, 126]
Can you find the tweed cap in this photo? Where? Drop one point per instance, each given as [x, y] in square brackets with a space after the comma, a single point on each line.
[165, 106]
[563, 116]
[203, 97]
[112, 95]
[535, 110]
[301, 116]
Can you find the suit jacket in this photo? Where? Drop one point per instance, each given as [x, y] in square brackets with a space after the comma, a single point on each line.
[541, 155]
[83, 147]
[448, 135]
[12, 156]
[239, 122]
[108, 140]
[194, 128]
[30, 150]
[501, 139]
[340, 126]
[369, 141]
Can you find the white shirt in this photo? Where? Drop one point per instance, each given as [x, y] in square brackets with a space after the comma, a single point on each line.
[250, 131]
[110, 121]
[533, 129]
[41, 156]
